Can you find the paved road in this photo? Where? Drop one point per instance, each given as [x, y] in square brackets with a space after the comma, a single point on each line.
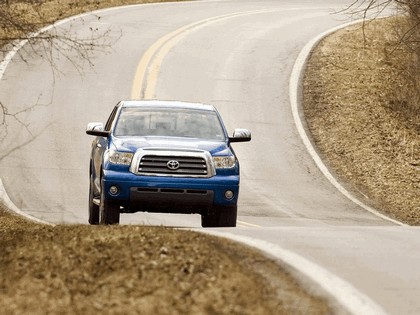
[238, 56]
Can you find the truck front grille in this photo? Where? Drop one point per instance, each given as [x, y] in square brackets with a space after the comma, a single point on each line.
[176, 163]
[173, 165]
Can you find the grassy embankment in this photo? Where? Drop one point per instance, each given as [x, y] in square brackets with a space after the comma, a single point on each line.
[138, 270]
[361, 104]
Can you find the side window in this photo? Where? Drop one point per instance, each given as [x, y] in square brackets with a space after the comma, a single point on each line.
[111, 119]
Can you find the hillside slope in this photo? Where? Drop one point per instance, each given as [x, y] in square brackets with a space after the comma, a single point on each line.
[354, 98]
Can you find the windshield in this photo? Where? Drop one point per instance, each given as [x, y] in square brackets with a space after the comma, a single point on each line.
[169, 122]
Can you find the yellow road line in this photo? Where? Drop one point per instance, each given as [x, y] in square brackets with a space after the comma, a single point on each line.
[246, 224]
[147, 71]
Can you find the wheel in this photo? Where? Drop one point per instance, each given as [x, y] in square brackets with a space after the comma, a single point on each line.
[220, 217]
[109, 211]
[93, 208]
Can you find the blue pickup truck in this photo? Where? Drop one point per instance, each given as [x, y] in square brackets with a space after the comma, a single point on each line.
[167, 157]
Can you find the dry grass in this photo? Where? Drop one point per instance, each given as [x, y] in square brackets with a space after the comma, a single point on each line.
[138, 270]
[362, 112]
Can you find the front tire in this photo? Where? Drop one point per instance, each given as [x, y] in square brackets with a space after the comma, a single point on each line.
[93, 208]
[109, 210]
[220, 217]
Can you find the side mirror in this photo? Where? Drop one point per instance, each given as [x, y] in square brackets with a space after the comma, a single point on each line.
[240, 135]
[96, 129]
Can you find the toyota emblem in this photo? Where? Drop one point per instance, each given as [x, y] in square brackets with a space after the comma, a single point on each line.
[173, 165]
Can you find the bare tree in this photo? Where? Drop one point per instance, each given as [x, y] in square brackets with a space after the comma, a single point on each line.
[24, 22]
[406, 99]
[25, 19]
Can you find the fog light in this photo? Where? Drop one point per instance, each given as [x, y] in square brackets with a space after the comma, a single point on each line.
[229, 194]
[113, 190]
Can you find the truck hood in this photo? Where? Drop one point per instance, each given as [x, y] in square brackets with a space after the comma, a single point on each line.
[131, 144]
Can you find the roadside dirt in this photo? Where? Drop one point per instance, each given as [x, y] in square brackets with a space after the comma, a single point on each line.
[355, 104]
[138, 270]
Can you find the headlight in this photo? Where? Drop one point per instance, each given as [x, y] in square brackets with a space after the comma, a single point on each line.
[224, 161]
[121, 158]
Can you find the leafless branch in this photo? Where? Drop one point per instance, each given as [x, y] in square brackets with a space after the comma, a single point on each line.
[23, 20]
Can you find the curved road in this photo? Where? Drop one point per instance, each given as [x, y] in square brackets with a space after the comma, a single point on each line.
[237, 55]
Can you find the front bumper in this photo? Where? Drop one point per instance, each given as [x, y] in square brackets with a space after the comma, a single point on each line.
[170, 194]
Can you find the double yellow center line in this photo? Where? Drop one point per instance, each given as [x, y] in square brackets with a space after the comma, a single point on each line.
[147, 71]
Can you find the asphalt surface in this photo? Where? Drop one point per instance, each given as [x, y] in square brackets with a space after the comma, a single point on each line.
[238, 56]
